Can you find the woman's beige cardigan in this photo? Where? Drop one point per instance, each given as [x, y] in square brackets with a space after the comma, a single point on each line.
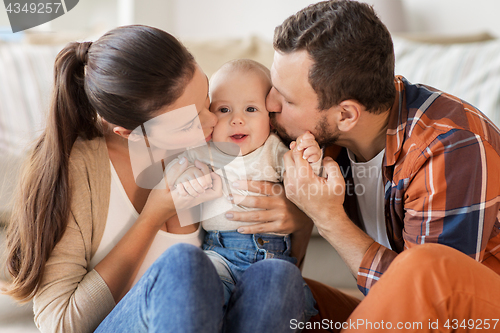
[71, 299]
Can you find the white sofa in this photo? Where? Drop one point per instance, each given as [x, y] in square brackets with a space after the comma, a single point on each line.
[469, 70]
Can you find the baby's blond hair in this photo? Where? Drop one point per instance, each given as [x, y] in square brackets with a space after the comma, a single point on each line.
[245, 65]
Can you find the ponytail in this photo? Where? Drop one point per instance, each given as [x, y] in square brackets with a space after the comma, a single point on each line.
[42, 203]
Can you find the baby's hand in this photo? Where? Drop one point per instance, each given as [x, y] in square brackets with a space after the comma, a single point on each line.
[307, 143]
[194, 181]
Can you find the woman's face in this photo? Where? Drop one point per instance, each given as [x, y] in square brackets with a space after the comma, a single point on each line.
[187, 122]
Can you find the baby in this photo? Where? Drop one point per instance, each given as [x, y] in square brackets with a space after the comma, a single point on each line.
[242, 147]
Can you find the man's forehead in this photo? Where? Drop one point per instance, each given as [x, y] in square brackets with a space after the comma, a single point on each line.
[292, 63]
[294, 57]
[291, 69]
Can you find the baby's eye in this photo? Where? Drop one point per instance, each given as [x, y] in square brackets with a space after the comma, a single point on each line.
[251, 109]
[224, 110]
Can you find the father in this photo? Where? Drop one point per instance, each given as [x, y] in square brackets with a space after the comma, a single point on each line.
[438, 178]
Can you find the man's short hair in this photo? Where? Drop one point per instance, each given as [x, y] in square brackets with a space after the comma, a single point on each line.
[351, 49]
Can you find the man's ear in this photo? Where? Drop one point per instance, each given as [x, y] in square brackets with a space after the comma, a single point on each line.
[126, 133]
[349, 113]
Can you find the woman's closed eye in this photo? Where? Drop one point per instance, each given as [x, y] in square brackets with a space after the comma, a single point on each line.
[188, 128]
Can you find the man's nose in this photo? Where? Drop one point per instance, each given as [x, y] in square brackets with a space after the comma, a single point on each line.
[272, 101]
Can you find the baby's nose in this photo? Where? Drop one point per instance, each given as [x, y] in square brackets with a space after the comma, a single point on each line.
[237, 120]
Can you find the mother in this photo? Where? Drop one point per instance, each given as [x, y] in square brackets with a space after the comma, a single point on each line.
[78, 197]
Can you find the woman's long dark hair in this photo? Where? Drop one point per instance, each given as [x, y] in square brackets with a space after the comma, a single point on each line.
[124, 77]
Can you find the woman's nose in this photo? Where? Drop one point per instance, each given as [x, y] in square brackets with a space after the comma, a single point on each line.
[272, 101]
[208, 119]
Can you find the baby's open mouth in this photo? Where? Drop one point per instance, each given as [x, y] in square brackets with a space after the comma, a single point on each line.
[238, 136]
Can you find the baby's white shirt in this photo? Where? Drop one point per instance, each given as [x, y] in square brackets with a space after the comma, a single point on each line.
[264, 163]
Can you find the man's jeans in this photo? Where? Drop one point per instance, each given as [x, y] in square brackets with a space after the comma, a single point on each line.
[233, 253]
[182, 292]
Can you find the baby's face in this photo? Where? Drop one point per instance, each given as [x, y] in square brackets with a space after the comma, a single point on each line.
[238, 99]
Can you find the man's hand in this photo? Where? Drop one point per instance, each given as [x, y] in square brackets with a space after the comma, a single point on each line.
[322, 200]
[313, 194]
[276, 213]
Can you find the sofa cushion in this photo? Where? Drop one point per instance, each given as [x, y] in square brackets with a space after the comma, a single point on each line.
[470, 71]
[26, 74]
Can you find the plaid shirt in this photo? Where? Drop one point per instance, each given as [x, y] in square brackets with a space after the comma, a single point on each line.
[441, 172]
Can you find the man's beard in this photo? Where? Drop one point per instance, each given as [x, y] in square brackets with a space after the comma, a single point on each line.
[323, 135]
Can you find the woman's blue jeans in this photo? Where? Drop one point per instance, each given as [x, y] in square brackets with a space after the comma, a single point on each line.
[182, 292]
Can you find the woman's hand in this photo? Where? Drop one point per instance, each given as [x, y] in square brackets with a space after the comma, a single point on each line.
[119, 267]
[277, 214]
[165, 200]
[195, 180]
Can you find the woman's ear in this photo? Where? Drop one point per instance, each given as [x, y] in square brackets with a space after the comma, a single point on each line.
[127, 134]
[348, 114]
[121, 131]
